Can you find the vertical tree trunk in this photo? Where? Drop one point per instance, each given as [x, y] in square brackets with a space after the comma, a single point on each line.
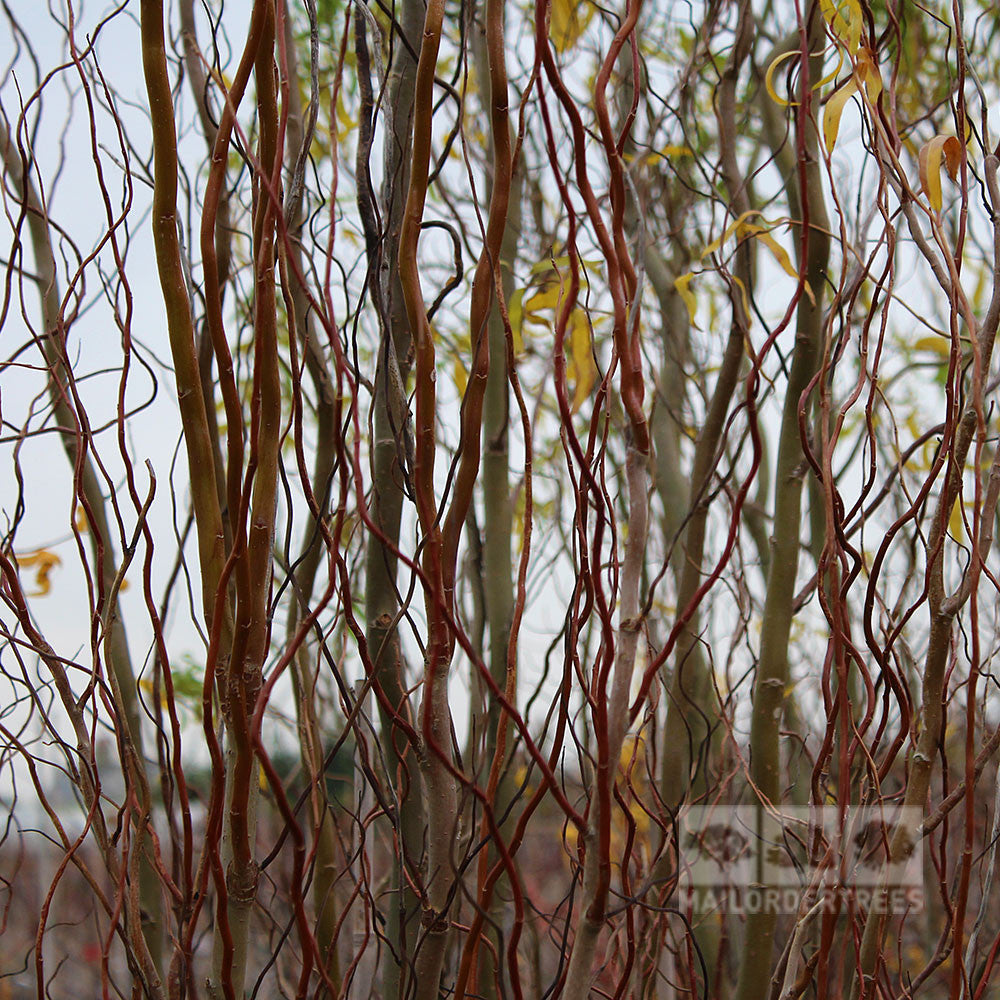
[390, 464]
[808, 206]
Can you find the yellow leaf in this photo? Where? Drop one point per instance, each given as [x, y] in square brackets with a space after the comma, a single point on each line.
[347, 123]
[683, 286]
[979, 293]
[517, 336]
[668, 153]
[936, 345]
[781, 256]
[549, 266]
[845, 19]
[834, 109]
[956, 527]
[568, 20]
[461, 376]
[769, 78]
[746, 298]
[515, 316]
[581, 368]
[868, 73]
[543, 303]
[931, 153]
[737, 224]
[44, 561]
[818, 85]
[222, 80]
[147, 685]
[515, 309]
[745, 230]
[832, 75]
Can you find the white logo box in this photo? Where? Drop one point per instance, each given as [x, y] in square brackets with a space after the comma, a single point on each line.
[799, 846]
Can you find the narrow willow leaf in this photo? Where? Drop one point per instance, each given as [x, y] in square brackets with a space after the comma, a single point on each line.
[739, 224]
[43, 561]
[868, 73]
[946, 147]
[846, 21]
[461, 377]
[781, 256]
[581, 368]
[567, 22]
[769, 79]
[515, 309]
[667, 153]
[683, 286]
[542, 304]
[935, 345]
[833, 111]
[747, 230]
[956, 525]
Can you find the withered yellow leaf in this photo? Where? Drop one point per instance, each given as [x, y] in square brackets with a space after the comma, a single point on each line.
[751, 230]
[668, 152]
[946, 147]
[769, 78]
[683, 286]
[936, 345]
[956, 527]
[582, 370]
[780, 254]
[738, 224]
[568, 19]
[44, 561]
[868, 73]
[846, 20]
[461, 376]
[544, 302]
[833, 111]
